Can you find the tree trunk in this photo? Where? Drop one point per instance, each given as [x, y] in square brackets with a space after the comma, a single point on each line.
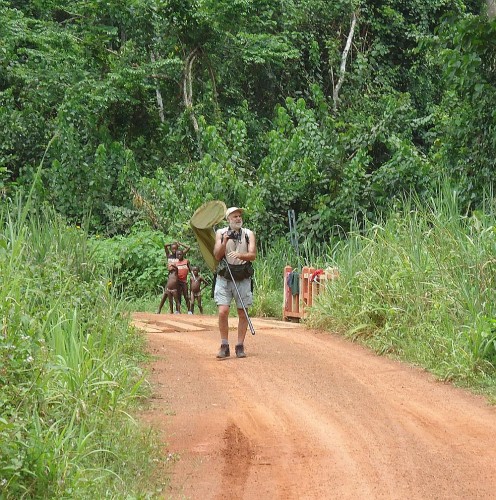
[160, 102]
[188, 87]
[214, 90]
[491, 9]
[342, 69]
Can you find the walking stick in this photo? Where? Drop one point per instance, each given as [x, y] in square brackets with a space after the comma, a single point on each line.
[250, 324]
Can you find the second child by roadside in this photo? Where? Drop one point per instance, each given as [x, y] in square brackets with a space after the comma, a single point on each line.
[183, 269]
[171, 291]
[171, 250]
[195, 287]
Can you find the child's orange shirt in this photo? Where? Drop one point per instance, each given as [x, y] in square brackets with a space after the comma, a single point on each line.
[182, 269]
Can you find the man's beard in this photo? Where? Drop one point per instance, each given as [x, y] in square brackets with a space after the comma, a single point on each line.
[236, 226]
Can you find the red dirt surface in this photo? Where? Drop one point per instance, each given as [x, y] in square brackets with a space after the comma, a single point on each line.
[309, 415]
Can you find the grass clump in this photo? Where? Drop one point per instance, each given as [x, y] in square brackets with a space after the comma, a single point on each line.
[421, 286]
[69, 369]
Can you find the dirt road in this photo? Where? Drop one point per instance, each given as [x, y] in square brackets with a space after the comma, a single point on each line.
[308, 415]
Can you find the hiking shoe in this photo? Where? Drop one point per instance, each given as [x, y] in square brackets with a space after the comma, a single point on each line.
[240, 351]
[224, 351]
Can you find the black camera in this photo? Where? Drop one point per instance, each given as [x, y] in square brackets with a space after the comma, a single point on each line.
[232, 235]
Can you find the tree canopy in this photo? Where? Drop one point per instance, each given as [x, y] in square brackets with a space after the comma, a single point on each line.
[145, 109]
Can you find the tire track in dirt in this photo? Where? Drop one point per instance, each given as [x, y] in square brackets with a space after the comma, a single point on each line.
[237, 456]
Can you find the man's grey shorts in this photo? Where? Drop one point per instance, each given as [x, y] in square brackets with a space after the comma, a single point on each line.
[224, 292]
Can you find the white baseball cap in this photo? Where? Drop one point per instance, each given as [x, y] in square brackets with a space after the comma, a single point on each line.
[230, 210]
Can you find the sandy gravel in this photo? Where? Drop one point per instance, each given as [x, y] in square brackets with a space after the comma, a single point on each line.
[308, 415]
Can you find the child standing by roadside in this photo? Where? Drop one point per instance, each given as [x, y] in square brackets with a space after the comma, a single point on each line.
[195, 288]
[183, 269]
[170, 250]
[171, 291]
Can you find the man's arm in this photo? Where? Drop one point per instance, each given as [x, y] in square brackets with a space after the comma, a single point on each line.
[220, 245]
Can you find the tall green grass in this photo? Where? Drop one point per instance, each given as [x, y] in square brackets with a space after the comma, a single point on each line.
[70, 372]
[268, 279]
[421, 286]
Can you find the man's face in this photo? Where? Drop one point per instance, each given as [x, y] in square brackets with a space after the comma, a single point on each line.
[173, 248]
[235, 220]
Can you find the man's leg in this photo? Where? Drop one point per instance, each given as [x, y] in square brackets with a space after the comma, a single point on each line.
[223, 298]
[245, 299]
[242, 326]
[224, 322]
[224, 351]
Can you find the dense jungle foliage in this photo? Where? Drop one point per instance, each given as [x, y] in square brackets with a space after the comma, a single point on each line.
[374, 121]
[142, 110]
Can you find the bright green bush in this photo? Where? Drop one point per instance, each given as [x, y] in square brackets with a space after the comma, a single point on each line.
[136, 262]
[69, 368]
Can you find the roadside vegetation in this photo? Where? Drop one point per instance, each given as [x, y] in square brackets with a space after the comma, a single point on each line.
[71, 371]
[421, 286]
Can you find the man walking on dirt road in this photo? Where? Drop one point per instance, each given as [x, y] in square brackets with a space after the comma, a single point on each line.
[235, 247]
